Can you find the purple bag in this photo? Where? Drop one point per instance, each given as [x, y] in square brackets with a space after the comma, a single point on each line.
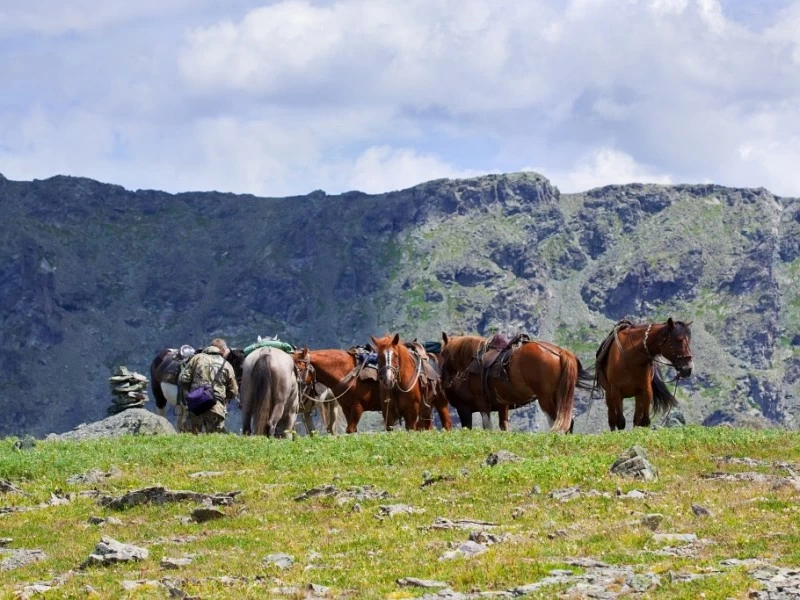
[200, 399]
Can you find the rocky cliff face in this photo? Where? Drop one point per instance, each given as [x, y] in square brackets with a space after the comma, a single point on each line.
[93, 275]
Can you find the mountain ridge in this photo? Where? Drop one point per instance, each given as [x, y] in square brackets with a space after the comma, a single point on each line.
[94, 275]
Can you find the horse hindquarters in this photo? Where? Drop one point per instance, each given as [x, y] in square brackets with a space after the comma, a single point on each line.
[565, 399]
[260, 399]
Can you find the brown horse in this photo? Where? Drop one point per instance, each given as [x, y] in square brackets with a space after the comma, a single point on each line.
[625, 366]
[410, 386]
[536, 371]
[337, 369]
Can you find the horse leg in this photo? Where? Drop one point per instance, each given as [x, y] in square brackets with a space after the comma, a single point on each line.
[616, 418]
[641, 415]
[486, 419]
[444, 415]
[354, 417]
[308, 422]
[465, 417]
[411, 415]
[503, 417]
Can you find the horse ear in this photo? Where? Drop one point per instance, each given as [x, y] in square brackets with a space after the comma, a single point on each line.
[671, 323]
[374, 341]
[444, 338]
[689, 323]
[396, 339]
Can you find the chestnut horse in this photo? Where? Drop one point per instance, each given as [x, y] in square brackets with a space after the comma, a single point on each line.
[409, 388]
[333, 368]
[625, 366]
[537, 371]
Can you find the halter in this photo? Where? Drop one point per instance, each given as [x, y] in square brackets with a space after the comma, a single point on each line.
[395, 370]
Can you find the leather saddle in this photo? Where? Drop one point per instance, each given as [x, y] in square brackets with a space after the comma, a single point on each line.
[492, 360]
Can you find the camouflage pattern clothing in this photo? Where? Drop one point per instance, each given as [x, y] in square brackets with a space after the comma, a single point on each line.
[202, 368]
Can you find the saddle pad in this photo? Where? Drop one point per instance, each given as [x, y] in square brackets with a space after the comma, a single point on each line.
[288, 348]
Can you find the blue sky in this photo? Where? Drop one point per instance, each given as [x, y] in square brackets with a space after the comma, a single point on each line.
[278, 98]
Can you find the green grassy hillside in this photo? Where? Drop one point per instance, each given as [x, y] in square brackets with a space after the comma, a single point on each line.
[346, 546]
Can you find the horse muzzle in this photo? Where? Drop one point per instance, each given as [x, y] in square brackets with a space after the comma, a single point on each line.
[685, 370]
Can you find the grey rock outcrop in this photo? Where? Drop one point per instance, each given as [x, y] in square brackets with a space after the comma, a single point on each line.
[136, 421]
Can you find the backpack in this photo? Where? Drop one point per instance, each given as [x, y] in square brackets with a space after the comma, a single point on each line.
[201, 398]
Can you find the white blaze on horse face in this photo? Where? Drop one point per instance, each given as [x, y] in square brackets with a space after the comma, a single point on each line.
[388, 371]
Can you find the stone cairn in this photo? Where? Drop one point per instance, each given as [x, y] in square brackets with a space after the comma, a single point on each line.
[128, 389]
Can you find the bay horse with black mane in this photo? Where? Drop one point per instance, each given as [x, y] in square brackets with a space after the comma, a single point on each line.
[536, 370]
[410, 385]
[625, 366]
[340, 370]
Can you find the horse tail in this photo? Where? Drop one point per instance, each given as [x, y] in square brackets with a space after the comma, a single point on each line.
[585, 377]
[158, 393]
[261, 380]
[663, 400]
[566, 391]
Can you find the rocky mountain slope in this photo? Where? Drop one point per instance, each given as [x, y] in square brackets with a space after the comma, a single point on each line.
[93, 275]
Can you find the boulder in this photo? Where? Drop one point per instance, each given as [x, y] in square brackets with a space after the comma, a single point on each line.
[136, 421]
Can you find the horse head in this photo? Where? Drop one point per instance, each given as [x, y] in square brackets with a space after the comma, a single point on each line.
[388, 362]
[676, 348]
[236, 357]
[306, 375]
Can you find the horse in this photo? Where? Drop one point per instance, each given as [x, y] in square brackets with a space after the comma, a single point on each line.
[625, 366]
[269, 393]
[315, 395]
[410, 385]
[537, 370]
[341, 371]
[164, 371]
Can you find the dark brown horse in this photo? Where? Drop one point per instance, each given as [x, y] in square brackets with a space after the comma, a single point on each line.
[536, 371]
[410, 386]
[338, 370]
[625, 367]
[164, 371]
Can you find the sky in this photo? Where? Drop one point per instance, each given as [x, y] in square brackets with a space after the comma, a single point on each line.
[280, 98]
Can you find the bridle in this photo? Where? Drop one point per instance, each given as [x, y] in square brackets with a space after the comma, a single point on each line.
[395, 371]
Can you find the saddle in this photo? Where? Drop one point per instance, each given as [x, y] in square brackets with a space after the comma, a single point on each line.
[170, 367]
[492, 359]
[366, 368]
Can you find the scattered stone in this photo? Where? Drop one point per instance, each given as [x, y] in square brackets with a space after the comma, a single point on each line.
[422, 583]
[652, 520]
[565, 494]
[91, 477]
[779, 583]
[101, 521]
[8, 487]
[671, 538]
[358, 492]
[175, 563]
[430, 480]
[632, 495]
[557, 534]
[29, 591]
[109, 551]
[752, 462]
[390, 510]
[203, 514]
[317, 590]
[518, 512]
[130, 585]
[486, 538]
[535, 491]
[5, 541]
[135, 421]
[467, 549]
[700, 511]
[356, 508]
[280, 560]
[28, 442]
[206, 474]
[736, 562]
[160, 495]
[500, 457]
[16, 558]
[634, 463]
[467, 524]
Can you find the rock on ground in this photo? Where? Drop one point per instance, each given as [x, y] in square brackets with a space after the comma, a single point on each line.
[136, 421]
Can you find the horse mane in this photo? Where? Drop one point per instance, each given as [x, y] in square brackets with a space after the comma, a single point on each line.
[461, 350]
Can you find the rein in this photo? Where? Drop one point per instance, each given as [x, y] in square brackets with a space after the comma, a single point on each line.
[396, 371]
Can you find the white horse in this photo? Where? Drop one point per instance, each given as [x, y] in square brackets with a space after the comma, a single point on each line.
[270, 398]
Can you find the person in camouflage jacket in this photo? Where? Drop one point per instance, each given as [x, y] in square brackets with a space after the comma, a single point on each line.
[202, 368]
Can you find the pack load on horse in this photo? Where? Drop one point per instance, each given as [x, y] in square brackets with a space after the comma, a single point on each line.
[497, 374]
[410, 384]
[626, 366]
[165, 369]
[352, 375]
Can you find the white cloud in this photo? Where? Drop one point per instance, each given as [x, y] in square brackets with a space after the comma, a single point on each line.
[604, 166]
